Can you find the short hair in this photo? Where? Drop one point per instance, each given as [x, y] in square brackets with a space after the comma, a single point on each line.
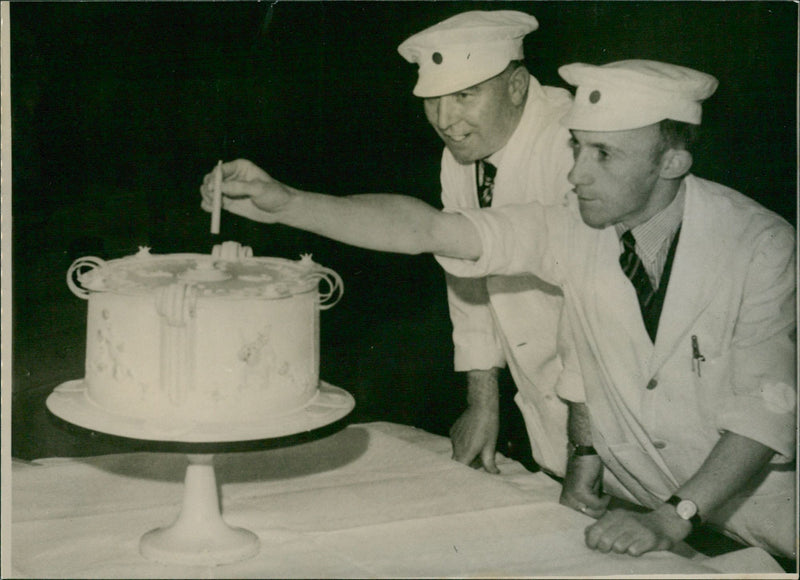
[678, 135]
[675, 135]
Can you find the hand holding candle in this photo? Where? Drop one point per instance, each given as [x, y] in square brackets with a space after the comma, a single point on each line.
[249, 192]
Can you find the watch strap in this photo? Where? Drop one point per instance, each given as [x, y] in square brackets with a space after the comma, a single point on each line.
[579, 450]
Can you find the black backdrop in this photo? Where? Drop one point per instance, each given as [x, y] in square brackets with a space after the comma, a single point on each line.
[118, 109]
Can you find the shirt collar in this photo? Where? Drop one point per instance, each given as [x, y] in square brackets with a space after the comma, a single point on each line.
[534, 92]
[496, 158]
[659, 229]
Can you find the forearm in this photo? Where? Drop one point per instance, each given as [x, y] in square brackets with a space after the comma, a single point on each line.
[483, 389]
[579, 431]
[732, 463]
[583, 481]
[384, 222]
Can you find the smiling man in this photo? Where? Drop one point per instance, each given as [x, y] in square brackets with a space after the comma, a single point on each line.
[503, 145]
[679, 293]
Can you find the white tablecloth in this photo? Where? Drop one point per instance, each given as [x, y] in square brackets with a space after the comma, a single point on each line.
[374, 500]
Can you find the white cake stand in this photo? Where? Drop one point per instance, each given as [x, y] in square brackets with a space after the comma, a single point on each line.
[199, 535]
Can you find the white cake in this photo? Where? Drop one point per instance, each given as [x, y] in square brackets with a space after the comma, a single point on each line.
[215, 338]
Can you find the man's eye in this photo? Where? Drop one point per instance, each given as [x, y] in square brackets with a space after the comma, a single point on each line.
[575, 146]
[602, 155]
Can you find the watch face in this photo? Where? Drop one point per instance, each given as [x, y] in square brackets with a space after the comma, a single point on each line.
[686, 509]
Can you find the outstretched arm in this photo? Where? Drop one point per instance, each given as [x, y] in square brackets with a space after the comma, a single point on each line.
[384, 222]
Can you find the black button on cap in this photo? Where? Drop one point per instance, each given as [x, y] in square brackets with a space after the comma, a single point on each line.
[437, 57]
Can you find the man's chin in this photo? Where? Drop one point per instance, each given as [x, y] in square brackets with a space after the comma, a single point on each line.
[464, 160]
[463, 157]
[594, 221]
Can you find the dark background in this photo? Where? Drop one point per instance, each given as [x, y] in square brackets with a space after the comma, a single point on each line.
[119, 109]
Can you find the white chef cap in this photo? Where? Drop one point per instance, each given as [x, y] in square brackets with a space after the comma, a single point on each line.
[634, 93]
[466, 49]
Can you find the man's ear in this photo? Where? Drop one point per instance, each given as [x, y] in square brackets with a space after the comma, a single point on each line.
[675, 163]
[518, 85]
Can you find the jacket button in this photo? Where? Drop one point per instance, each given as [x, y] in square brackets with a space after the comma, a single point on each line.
[652, 384]
[659, 444]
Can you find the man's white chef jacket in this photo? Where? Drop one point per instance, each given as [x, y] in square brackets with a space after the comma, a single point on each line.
[655, 418]
[515, 320]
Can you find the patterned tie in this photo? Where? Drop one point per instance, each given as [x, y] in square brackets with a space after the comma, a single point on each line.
[485, 173]
[634, 270]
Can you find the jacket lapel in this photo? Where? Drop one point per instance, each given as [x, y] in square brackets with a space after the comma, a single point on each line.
[697, 267]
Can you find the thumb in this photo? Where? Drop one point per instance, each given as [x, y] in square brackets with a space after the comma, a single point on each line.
[487, 457]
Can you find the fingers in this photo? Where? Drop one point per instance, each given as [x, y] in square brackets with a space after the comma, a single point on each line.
[230, 189]
[639, 546]
[487, 458]
[463, 456]
[622, 542]
[239, 170]
[207, 192]
[591, 506]
[599, 505]
[464, 448]
[241, 188]
[463, 452]
[480, 463]
[243, 170]
[615, 536]
[476, 459]
[593, 511]
[467, 456]
[205, 204]
[624, 534]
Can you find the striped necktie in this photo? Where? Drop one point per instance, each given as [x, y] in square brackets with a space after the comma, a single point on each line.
[651, 302]
[632, 265]
[485, 173]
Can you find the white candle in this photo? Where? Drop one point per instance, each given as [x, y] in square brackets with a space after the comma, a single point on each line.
[216, 209]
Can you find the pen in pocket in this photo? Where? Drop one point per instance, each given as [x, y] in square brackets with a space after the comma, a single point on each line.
[697, 356]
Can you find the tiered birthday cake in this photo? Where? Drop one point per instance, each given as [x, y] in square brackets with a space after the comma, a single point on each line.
[220, 338]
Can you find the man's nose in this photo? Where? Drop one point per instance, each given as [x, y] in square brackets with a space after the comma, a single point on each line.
[446, 112]
[580, 173]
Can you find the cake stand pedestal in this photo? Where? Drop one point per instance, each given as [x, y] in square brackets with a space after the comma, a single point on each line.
[199, 535]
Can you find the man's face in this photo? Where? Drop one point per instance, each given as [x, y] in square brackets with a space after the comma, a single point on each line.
[478, 121]
[615, 174]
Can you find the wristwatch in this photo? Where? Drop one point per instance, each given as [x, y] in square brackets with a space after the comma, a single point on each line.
[578, 450]
[686, 510]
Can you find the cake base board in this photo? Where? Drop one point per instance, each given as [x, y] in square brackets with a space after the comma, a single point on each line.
[70, 402]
